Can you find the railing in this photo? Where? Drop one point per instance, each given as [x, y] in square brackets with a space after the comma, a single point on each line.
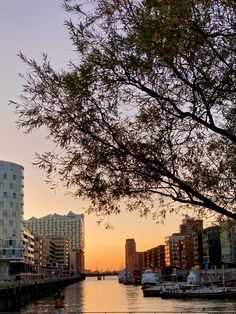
[147, 312]
[131, 312]
[30, 281]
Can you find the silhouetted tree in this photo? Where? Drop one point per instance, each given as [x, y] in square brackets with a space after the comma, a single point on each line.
[146, 115]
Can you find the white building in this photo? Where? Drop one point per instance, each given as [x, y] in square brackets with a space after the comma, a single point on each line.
[11, 203]
[70, 226]
[16, 243]
[228, 243]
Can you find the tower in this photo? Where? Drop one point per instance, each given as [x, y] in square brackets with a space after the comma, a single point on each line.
[130, 249]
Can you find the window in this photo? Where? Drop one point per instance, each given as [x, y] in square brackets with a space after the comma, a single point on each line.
[4, 194]
[1, 185]
[14, 195]
[5, 175]
[11, 204]
[14, 177]
[10, 242]
[13, 252]
[11, 186]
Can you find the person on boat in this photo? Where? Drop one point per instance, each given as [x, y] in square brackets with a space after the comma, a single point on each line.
[59, 304]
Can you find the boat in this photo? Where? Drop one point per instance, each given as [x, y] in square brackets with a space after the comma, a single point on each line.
[149, 278]
[126, 278]
[151, 291]
[122, 276]
[190, 292]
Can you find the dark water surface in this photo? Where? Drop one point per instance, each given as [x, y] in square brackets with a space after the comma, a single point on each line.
[108, 296]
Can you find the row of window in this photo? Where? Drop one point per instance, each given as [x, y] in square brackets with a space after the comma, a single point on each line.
[10, 204]
[6, 195]
[54, 222]
[6, 176]
[10, 166]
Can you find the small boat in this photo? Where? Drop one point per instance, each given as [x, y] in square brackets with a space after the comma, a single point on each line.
[149, 278]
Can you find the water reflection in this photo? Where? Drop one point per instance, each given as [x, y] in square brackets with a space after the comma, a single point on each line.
[108, 296]
[74, 297]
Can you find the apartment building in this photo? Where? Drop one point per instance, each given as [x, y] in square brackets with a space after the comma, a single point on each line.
[61, 252]
[191, 225]
[170, 249]
[40, 254]
[228, 243]
[154, 258]
[184, 253]
[212, 246]
[11, 203]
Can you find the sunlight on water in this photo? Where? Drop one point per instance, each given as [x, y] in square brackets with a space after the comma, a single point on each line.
[108, 296]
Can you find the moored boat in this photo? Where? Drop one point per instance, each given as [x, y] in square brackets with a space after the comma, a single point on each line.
[149, 278]
[199, 292]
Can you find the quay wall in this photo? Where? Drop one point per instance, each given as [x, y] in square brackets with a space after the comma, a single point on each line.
[17, 294]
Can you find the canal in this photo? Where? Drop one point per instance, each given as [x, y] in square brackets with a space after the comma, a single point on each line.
[108, 296]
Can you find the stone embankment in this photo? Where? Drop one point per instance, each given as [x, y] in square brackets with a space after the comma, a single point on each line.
[14, 295]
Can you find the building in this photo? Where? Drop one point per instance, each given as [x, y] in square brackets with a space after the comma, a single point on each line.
[198, 249]
[130, 250]
[11, 216]
[11, 202]
[228, 243]
[154, 258]
[40, 254]
[184, 258]
[50, 251]
[190, 225]
[61, 252]
[28, 252]
[212, 247]
[170, 249]
[70, 226]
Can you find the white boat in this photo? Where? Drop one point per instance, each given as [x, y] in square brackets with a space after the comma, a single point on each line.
[149, 278]
[125, 277]
[122, 276]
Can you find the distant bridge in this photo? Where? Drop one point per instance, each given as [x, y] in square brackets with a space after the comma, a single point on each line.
[100, 274]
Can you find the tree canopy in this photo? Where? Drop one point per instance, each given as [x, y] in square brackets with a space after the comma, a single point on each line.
[146, 114]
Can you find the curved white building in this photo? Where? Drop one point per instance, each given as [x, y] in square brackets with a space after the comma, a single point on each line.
[11, 202]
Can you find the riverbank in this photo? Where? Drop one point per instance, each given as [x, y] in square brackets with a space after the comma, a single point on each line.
[16, 294]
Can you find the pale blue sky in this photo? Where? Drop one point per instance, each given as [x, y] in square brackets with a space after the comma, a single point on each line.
[34, 27]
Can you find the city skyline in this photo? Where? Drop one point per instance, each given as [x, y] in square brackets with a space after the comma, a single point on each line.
[23, 30]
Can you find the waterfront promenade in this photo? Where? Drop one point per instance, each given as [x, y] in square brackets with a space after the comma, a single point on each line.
[15, 294]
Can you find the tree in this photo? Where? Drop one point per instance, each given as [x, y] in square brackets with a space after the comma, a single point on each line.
[146, 115]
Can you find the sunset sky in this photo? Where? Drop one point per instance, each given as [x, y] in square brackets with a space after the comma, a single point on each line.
[34, 27]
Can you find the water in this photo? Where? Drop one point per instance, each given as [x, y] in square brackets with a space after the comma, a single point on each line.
[108, 296]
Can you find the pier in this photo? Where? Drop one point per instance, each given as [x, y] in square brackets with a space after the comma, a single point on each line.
[18, 293]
